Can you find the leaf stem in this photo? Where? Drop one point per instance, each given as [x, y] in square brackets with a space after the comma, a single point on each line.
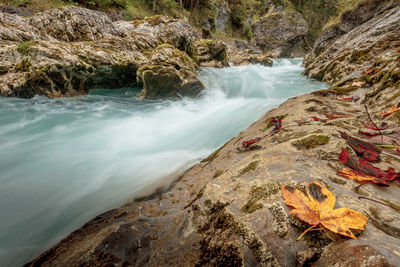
[308, 229]
[369, 117]
[388, 205]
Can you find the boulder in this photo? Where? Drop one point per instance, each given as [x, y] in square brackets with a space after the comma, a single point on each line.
[169, 73]
[350, 20]
[280, 33]
[206, 51]
[70, 51]
[242, 54]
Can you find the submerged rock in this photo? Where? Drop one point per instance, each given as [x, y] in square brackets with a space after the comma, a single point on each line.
[281, 33]
[169, 73]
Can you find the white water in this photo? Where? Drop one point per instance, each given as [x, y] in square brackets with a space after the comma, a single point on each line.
[63, 161]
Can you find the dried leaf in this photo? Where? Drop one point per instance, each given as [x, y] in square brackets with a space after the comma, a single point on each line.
[317, 207]
[248, 143]
[394, 109]
[277, 126]
[365, 150]
[361, 177]
[368, 133]
[364, 167]
[372, 126]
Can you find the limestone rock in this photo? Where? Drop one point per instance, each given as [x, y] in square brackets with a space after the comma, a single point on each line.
[169, 73]
[357, 50]
[210, 50]
[67, 52]
[241, 54]
[280, 33]
[74, 24]
[350, 20]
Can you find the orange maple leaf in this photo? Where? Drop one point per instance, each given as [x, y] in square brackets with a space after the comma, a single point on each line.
[361, 177]
[394, 109]
[317, 208]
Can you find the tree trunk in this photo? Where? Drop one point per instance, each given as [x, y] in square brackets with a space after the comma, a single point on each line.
[154, 5]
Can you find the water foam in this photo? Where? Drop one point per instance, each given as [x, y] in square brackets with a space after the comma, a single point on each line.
[63, 161]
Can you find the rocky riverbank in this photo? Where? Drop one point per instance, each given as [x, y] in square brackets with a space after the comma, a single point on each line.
[67, 52]
[228, 209]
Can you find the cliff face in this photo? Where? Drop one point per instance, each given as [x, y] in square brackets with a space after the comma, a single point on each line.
[228, 209]
[66, 52]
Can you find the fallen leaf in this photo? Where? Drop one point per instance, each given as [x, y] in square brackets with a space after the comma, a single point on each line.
[368, 133]
[365, 150]
[277, 126]
[317, 208]
[362, 166]
[372, 126]
[370, 71]
[394, 109]
[302, 120]
[248, 143]
[319, 119]
[361, 177]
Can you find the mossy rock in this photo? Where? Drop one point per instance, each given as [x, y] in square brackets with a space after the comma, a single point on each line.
[311, 142]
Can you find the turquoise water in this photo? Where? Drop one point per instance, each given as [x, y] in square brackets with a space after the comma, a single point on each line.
[63, 161]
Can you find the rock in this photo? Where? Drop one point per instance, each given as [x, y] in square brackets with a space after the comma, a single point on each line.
[169, 73]
[70, 51]
[241, 54]
[280, 33]
[358, 49]
[222, 17]
[20, 11]
[350, 20]
[209, 50]
[228, 209]
[74, 24]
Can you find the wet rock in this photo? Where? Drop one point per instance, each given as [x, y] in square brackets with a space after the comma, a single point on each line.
[242, 54]
[70, 51]
[170, 73]
[206, 51]
[280, 33]
[74, 24]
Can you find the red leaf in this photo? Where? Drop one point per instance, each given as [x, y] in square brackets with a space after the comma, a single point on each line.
[319, 119]
[371, 126]
[278, 125]
[368, 133]
[365, 167]
[365, 150]
[248, 143]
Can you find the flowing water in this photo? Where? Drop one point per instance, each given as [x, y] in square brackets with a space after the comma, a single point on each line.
[63, 161]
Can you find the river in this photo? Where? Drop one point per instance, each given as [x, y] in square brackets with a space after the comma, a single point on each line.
[65, 160]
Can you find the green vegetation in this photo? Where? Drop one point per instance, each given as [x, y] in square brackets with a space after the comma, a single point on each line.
[311, 142]
[202, 14]
[23, 48]
[258, 193]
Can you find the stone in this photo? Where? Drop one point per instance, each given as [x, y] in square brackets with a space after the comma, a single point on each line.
[67, 52]
[169, 73]
[280, 33]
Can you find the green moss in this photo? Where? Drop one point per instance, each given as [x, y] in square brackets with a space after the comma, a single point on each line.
[311, 142]
[24, 65]
[217, 173]
[359, 56]
[214, 155]
[258, 193]
[251, 167]
[24, 48]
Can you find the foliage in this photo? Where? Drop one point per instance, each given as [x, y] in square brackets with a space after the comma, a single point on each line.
[317, 208]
